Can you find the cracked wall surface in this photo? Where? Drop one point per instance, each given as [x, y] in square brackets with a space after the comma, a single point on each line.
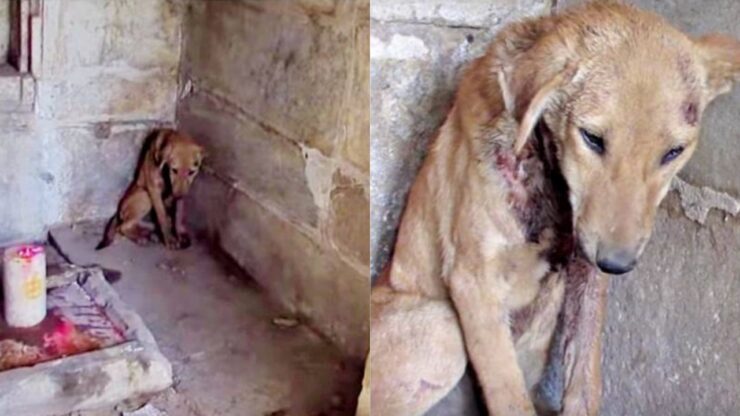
[277, 92]
[105, 72]
[672, 325]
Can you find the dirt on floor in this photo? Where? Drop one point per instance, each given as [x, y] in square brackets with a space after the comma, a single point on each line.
[233, 352]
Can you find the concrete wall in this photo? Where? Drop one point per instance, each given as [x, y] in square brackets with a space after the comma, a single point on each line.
[104, 72]
[4, 30]
[277, 93]
[671, 336]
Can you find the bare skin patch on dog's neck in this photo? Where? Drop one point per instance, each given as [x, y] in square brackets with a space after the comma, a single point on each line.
[538, 194]
[536, 191]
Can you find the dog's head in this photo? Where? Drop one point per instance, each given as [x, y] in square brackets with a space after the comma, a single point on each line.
[179, 159]
[621, 93]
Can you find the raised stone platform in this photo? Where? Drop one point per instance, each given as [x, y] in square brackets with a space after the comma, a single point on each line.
[124, 362]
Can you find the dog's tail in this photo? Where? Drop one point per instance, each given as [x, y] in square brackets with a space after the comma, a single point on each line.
[110, 233]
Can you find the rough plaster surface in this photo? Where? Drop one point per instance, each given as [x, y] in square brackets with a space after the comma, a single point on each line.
[107, 74]
[417, 50]
[277, 92]
[293, 49]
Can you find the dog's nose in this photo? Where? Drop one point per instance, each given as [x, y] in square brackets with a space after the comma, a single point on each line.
[616, 262]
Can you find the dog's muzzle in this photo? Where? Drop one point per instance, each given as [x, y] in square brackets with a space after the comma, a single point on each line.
[615, 261]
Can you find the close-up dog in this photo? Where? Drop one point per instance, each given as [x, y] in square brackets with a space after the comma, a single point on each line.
[544, 178]
[170, 162]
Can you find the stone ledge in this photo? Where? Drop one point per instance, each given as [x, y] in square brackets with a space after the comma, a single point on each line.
[90, 380]
[470, 14]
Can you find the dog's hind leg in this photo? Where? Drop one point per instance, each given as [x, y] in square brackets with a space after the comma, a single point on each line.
[417, 353]
[134, 209]
[463, 400]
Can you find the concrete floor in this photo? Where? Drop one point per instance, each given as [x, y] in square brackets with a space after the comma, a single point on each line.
[218, 330]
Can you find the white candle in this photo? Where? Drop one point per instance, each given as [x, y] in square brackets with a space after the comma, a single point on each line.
[24, 285]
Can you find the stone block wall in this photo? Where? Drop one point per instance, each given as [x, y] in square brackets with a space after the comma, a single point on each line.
[104, 72]
[277, 92]
[670, 339]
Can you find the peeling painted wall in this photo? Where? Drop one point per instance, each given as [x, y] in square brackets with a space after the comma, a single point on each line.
[672, 327]
[277, 93]
[105, 73]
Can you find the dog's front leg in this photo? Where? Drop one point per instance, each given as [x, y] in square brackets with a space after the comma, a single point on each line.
[584, 313]
[488, 341]
[183, 237]
[165, 225]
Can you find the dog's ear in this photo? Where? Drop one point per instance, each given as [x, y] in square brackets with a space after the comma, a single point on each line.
[161, 150]
[545, 96]
[202, 152]
[720, 55]
[532, 69]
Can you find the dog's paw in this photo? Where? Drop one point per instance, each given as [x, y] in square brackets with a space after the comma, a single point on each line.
[171, 242]
[143, 242]
[183, 241]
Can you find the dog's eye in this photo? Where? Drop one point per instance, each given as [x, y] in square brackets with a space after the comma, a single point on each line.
[593, 142]
[174, 171]
[671, 155]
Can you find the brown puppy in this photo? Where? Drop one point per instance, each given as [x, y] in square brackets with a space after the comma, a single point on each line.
[562, 141]
[170, 162]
